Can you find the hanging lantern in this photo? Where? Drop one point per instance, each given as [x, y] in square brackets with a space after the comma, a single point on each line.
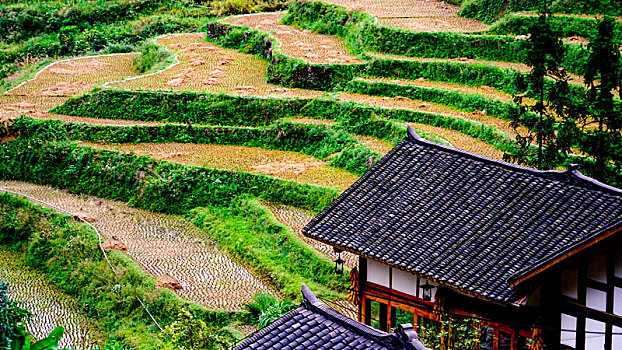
[338, 262]
[427, 291]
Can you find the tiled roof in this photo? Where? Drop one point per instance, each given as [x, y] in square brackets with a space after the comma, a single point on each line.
[315, 326]
[464, 220]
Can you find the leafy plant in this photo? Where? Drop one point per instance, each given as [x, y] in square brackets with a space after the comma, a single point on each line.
[24, 340]
[188, 333]
[266, 309]
[274, 312]
[12, 317]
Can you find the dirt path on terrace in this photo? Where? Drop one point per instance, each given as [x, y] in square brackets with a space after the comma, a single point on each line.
[60, 80]
[285, 165]
[50, 306]
[303, 44]
[416, 15]
[162, 244]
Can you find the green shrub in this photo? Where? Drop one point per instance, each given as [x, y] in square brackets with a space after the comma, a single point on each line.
[151, 55]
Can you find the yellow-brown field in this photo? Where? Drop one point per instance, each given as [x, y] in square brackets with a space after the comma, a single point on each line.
[61, 80]
[203, 66]
[435, 24]
[417, 15]
[303, 44]
[285, 165]
[161, 244]
[462, 141]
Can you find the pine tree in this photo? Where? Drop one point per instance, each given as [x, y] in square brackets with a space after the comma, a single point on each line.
[549, 84]
[602, 139]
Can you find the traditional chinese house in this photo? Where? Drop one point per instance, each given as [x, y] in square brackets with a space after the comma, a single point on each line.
[315, 326]
[442, 232]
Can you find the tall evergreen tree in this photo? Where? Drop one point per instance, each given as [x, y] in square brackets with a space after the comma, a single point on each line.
[602, 131]
[549, 84]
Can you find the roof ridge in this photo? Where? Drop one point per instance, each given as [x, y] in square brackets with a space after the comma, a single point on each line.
[310, 301]
[571, 175]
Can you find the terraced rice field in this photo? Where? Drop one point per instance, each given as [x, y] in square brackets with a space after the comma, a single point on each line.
[50, 306]
[161, 244]
[60, 80]
[435, 24]
[303, 44]
[417, 15]
[462, 141]
[297, 219]
[406, 103]
[204, 66]
[573, 78]
[376, 145]
[485, 91]
[285, 165]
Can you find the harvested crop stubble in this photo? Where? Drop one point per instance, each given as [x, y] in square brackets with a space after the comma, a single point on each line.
[162, 244]
[297, 219]
[573, 78]
[462, 141]
[314, 121]
[281, 164]
[435, 24]
[314, 48]
[381, 146]
[50, 307]
[417, 15]
[204, 66]
[60, 80]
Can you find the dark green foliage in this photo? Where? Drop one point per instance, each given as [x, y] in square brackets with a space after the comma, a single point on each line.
[502, 79]
[488, 11]
[563, 26]
[150, 55]
[11, 316]
[249, 232]
[602, 139]
[26, 20]
[545, 55]
[185, 107]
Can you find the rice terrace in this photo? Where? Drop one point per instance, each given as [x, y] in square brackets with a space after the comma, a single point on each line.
[301, 174]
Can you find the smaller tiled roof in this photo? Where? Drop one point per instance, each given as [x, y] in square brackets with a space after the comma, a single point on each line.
[314, 325]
